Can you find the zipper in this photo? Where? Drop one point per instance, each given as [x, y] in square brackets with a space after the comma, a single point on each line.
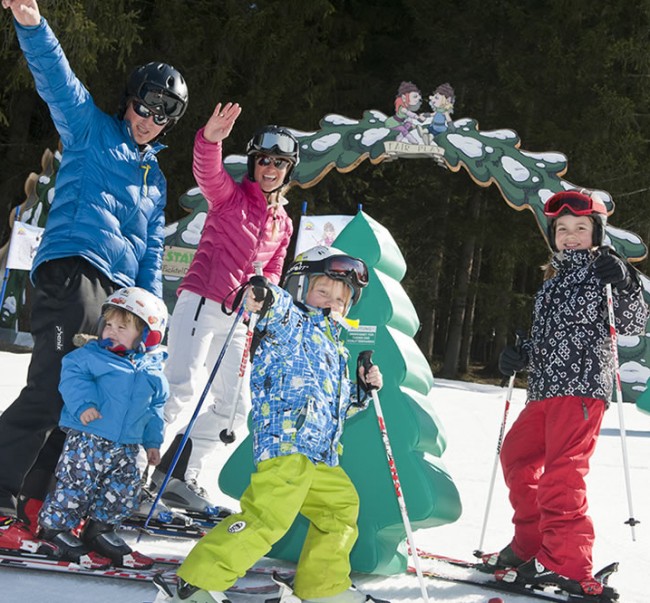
[145, 187]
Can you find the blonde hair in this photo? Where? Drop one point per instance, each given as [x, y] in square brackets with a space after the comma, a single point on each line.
[316, 279]
[113, 312]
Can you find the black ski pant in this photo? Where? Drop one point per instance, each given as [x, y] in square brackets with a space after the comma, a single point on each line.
[68, 296]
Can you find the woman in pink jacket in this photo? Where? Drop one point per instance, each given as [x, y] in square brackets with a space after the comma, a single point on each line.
[246, 223]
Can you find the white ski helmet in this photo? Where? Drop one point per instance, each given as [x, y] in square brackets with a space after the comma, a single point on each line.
[146, 306]
[327, 261]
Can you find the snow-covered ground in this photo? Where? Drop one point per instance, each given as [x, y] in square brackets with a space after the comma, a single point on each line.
[471, 416]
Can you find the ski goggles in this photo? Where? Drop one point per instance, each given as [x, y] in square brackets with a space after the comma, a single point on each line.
[343, 267]
[275, 141]
[144, 111]
[577, 203]
[160, 100]
[277, 162]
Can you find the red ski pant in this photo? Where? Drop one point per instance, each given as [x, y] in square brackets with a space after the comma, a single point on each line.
[545, 458]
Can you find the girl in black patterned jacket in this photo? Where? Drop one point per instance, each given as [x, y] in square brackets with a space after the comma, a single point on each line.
[570, 362]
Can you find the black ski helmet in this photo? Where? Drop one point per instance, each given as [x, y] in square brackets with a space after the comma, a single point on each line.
[578, 203]
[273, 140]
[328, 261]
[159, 87]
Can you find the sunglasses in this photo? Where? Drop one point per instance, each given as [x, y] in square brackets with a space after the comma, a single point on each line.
[161, 100]
[278, 163]
[577, 203]
[144, 111]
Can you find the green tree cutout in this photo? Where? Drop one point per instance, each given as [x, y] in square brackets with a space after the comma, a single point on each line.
[388, 323]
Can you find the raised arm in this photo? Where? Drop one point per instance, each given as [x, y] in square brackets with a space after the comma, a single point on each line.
[25, 11]
[71, 106]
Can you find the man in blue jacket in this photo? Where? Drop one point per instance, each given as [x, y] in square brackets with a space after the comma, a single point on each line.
[104, 231]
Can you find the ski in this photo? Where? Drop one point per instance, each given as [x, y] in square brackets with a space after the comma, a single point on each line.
[477, 574]
[198, 524]
[162, 528]
[13, 559]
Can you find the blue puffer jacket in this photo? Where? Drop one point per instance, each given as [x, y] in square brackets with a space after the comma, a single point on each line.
[129, 392]
[300, 388]
[109, 202]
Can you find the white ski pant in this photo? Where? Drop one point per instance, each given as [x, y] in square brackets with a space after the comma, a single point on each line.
[198, 330]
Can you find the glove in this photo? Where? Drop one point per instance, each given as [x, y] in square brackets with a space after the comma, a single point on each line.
[259, 287]
[512, 360]
[610, 269]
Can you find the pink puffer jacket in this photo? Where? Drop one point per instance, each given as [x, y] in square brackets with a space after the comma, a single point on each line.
[239, 229]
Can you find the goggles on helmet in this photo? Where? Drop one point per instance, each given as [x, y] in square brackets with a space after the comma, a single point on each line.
[578, 204]
[339, 267]
[274, 141]
[160, 101]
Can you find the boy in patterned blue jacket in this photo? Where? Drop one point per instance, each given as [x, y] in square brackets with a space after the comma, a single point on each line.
[114, 391]
[301, 397]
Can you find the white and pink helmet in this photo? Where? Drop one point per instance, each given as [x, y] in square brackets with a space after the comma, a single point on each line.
[146, 306]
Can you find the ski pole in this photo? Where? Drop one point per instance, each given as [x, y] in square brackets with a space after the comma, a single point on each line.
[365, 360]
[227, 435]
[619, 404]
[195, 415]
[511, 385]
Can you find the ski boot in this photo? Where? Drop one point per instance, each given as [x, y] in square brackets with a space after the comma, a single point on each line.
[186, 593]
[15, 535]
[182, 494]
[534, 573]
[351, 595]
[504, 559]
[70, 548]
[28, 510]
[163, 513]
[101, 537]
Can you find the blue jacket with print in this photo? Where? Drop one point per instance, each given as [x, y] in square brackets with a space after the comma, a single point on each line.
[129, 391]
[110, 196]
[569, 350]
[300, 388]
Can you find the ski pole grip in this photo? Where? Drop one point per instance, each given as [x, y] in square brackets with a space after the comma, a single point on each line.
[365, 360]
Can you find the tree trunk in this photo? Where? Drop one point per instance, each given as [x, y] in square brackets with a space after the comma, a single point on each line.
[427, 338]
[468, 325]
[459, 303]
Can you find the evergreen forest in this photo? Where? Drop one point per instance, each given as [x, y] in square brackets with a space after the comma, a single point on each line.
[567, 76]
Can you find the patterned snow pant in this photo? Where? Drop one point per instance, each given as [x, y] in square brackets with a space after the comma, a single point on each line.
[96, 478]
[545, 458]
[281, 488]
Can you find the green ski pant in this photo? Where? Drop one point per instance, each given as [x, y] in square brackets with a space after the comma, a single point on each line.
[281, 488]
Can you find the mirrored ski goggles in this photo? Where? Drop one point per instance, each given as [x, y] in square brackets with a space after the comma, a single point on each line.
[578, 204]
[160, 100]
[341, 267]
[271, 141]
[144, 111]
[278, 162]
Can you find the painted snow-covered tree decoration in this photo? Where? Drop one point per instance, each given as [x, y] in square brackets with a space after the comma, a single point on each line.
[525, 179]
[388, 323]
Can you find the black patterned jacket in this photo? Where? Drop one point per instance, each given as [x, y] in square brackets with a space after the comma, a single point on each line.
[569, 350]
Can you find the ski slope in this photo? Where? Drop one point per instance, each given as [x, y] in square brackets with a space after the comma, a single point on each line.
[471, 415]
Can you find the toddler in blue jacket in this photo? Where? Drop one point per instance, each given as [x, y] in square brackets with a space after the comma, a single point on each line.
[114, 390]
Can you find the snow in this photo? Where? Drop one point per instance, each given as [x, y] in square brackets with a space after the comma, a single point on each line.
[471, 415]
